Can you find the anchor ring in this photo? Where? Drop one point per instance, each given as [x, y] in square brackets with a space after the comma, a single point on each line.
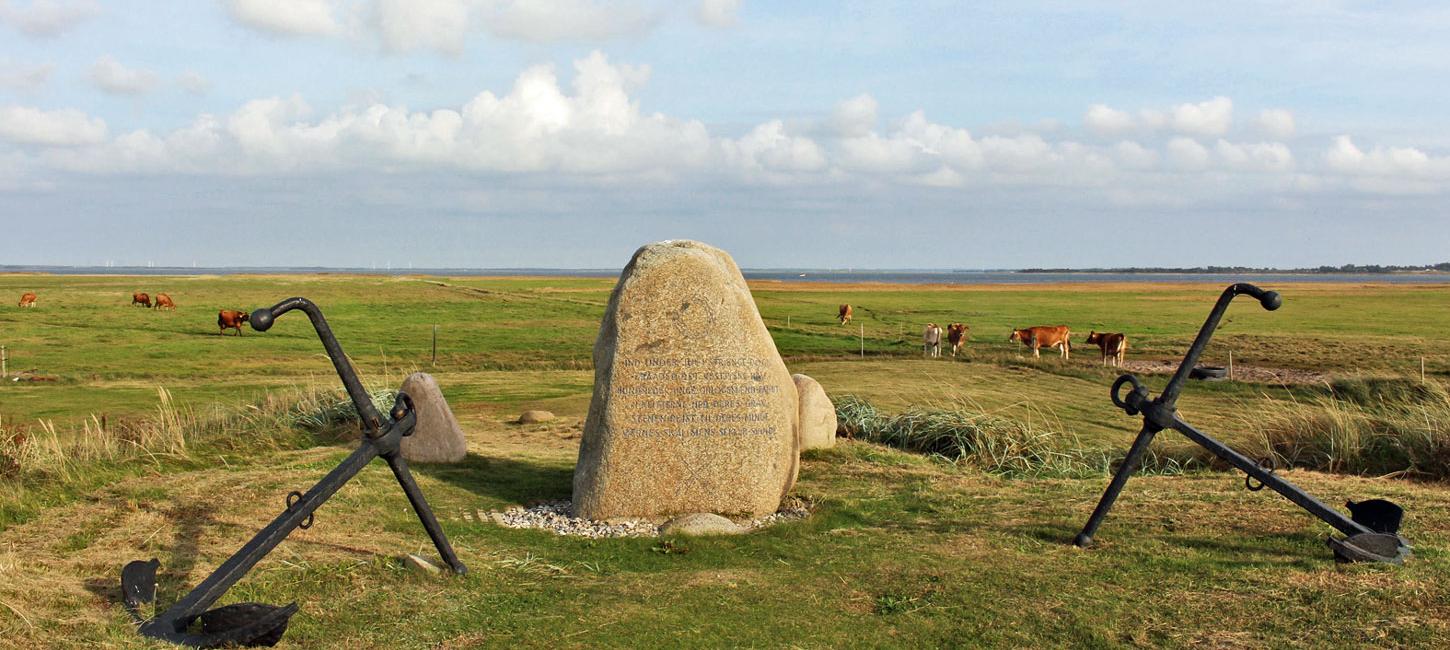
[1267, 463]
[1118, 387]
[292, 498]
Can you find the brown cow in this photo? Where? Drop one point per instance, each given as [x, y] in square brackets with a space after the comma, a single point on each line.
[1114, 345]
[228, 319]
[844, 315]
[1044, 337]
[140, 298]
[27, 299]
[163, 301]
[957, 336]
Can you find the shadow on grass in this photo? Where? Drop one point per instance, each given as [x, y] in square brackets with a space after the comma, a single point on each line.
[511, 480]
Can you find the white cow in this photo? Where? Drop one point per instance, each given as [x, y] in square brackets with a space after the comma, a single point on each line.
[931, 341]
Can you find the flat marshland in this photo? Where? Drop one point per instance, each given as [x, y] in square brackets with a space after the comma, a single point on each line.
[137, 434]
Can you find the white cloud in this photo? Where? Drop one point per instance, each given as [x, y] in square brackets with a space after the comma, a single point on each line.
[1104, 120]
[1212, 117]
[110, 75]
[1132, 155]
[1187, 154]
[194, 82]
[1276, 123]
[1408, 162]
[47, 18]
[66, 127]
[718, 13]
[24, 77]
[1262, 156]
[855, 116]
[547, 21]
[287, 17]
[412, 24]
[769, 148]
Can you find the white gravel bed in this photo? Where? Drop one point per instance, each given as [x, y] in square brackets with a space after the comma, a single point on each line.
[555, 516]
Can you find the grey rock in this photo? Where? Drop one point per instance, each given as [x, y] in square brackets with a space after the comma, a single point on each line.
[436, 438]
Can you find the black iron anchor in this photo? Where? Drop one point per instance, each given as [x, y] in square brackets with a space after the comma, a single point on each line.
[190, 621]
[1371, 534]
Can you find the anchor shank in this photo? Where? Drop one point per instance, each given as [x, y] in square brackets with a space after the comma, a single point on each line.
[1268, 299]
[1289, 490]
[215, 585]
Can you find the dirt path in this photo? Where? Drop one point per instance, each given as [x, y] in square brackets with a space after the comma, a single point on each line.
[1256, 374]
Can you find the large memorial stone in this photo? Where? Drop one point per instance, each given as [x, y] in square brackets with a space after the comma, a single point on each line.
[693, 409]
[436, 438]
[818, 414]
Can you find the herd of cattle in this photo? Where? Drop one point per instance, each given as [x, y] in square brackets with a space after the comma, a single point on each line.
[1113, 345]
[225, 319]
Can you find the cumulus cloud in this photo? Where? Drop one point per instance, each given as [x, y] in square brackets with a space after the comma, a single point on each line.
[717, 13]
[545, 21]
[1105, 120]
[855, 116]
[447, 25]
[22, 76]
[1276, 123]
[1346, 157]
[287, 17]
[1262, 156]
[587, 126]
[1207, 118]
[194, 82]
[112, 76]
[47, 18]
[63, 128]
[1187, 154]
[1212, 117]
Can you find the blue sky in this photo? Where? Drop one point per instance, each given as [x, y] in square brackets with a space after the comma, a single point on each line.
[565, 133]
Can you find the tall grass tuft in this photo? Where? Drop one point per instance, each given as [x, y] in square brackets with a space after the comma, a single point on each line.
[1373, 426]
[37, 458]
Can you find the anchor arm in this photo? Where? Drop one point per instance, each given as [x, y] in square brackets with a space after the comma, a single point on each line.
[262, 320]
[1288, 490]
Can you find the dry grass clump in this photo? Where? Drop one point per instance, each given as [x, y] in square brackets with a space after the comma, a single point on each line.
[40, 454]
[960, 432]
[1376, 426]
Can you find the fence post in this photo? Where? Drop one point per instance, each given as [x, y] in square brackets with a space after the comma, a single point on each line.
[863, 340]
[1230, 365]
[787, 320]
[434, 360]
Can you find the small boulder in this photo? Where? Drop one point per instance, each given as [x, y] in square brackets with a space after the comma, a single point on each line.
[700, 524]
[535, 417]
[818, 414]
[436, 438]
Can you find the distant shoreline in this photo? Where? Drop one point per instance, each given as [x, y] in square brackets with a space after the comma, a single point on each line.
[811, 276]
[1442, 268]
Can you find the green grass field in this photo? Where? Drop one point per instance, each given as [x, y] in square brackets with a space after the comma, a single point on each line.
[902, 550]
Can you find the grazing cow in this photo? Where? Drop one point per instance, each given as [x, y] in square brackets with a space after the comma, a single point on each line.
[1044, 337]
[931, 341]
[844, 315]
[227, 319]
[140, 298]
[1114, 345]
[27, 299]
[163, 301]
[957, 336]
